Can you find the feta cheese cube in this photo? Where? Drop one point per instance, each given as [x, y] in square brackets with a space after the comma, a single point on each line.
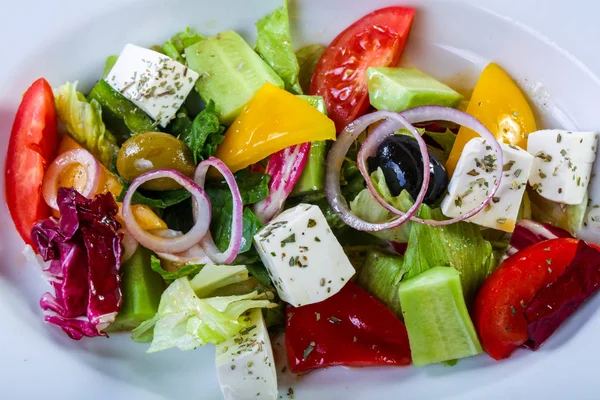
[245, 363]
[590, 229]
[152, 81]
[474, 177]
[562, 163]
[303, 257]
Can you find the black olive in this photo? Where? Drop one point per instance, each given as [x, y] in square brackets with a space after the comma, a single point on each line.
[400, 159]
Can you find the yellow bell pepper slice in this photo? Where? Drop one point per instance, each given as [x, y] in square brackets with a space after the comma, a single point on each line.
[501, 106]
[273, 120]
[75, 176]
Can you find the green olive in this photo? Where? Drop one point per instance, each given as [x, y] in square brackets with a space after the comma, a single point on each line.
[154, 150]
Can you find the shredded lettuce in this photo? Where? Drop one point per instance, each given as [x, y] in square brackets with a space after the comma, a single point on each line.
[274, 44]
[366, 207]
[188, 317]
[84, 123]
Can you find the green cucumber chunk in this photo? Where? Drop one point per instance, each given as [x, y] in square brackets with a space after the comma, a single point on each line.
[436, 317]
[313, 177]
[142, 288]
[230, 73]
[118, 108]
[380, 275]
[398, 89]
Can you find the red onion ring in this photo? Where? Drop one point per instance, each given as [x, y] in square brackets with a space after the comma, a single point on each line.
[194, 255]
[430, 113]
[60, 164]
[336, 156]
[438, 113]
[130, 246]
[201, 206]
[386, 129]
[235, 241]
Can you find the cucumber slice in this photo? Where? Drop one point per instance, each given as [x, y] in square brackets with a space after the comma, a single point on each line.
[313, 177]
[141, 289]
[436, 317]
[398, 89]
[117, 107]
[230, 73]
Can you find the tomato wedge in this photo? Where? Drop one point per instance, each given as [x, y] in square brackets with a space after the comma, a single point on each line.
[501, 301]
[375, 40]
[32, 146]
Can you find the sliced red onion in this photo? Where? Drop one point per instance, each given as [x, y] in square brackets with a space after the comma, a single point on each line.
[438, 113]
[285, 168]
[202, 214]
[336, 156]
[421, 114]
[130, 245]
[235, 241]
[528, 233]
[60, 164]
[194, 255]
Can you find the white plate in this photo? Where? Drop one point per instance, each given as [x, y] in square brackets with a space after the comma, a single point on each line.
[550, 48]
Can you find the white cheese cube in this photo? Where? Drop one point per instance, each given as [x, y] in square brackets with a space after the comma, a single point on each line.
[562, 164]
[152, 81]
[590, 231]
[245, 363]
[303, 257]
[474, 177]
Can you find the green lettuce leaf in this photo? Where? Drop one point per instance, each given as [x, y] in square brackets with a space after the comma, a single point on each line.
[84, 123]
[380, 275]
[170, 276]
[444, 139]
[254, 187]
[308, 57]
[274, 44]
[205, 134]
[186, 318]
[366, 207]
[459, 245]
[175, 46]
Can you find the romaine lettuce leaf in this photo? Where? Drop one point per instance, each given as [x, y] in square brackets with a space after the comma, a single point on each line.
[380, 275]
[175, 46]
[366, 207]
[84, 123]
[308, 57]
[186, 318]
[459, 245]
[274, 44]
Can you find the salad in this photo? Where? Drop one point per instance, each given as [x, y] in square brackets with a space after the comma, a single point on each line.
[207, 192]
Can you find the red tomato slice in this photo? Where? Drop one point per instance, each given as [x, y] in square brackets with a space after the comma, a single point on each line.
[501, 301]
[375, 40]
[32, 146]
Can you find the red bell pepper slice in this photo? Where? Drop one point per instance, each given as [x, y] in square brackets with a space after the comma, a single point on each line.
[498, 312]
[351, 328]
